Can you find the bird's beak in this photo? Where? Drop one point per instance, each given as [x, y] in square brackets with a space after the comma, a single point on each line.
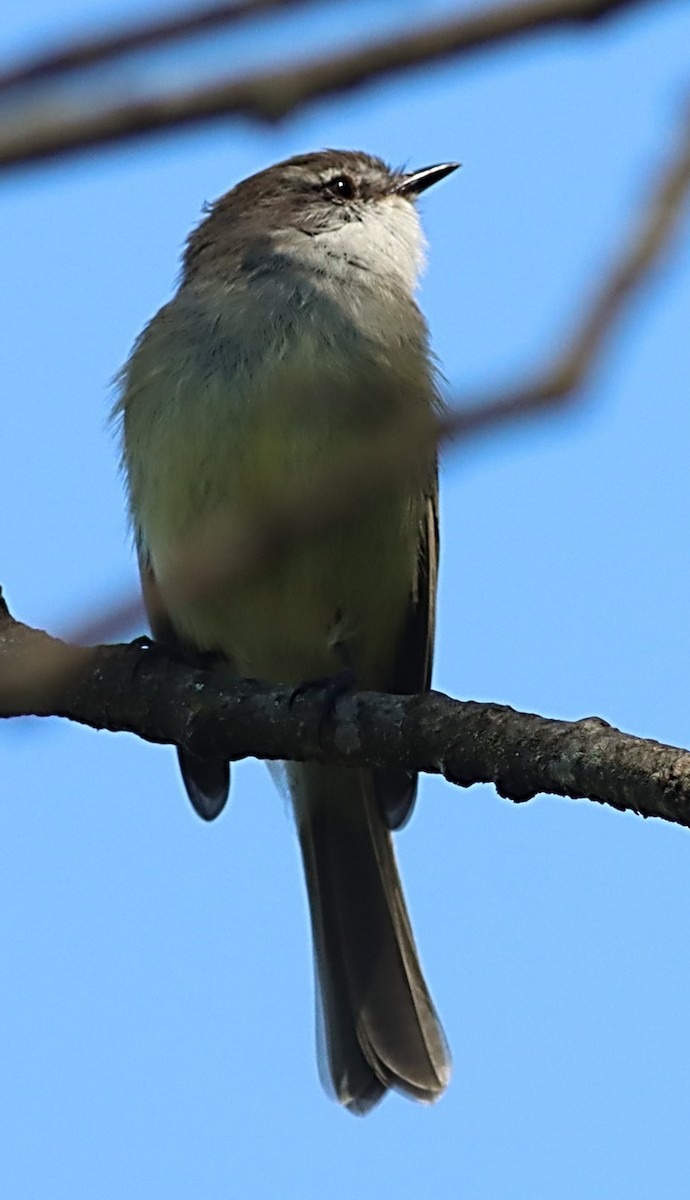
[419, 181]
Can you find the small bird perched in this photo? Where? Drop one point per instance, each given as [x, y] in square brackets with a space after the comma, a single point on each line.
[293, 340]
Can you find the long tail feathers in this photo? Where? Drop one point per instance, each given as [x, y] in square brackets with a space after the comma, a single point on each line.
[380, 1028]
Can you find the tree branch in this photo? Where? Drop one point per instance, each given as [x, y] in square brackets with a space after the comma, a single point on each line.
[89, 51]
[142, 690]
[272, 95]
[568, 370]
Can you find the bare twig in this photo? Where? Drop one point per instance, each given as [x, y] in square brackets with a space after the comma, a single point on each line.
[562, 379]
[162, 700]
[272, 95]
[88, 51]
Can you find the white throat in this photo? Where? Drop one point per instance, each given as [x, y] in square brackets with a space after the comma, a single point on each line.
[386, 241]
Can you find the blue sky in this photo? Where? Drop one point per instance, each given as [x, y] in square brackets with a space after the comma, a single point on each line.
[156, 1012]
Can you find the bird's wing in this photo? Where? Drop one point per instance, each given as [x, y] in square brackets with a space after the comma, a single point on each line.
[207, 780]
[396, 788]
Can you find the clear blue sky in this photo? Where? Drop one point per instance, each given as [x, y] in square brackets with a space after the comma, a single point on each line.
[156, 1009]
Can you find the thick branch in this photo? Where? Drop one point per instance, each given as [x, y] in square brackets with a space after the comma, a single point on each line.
[142, 691]
[273, 95]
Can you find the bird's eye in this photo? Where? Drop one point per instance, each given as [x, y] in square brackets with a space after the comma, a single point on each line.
[340, 186]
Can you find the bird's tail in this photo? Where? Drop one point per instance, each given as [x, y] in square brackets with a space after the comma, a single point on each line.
[379, 1026]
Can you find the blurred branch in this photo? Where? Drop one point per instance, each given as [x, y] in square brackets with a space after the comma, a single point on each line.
[272, 95]
[567, 372]
[143, 691]
[89, 51]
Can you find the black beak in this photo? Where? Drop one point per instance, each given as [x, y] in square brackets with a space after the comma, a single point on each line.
[419, 181]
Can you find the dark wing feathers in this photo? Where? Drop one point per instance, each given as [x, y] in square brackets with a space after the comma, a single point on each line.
[206, 780]
[396, 788]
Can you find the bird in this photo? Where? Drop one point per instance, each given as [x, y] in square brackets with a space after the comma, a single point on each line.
[293, 340]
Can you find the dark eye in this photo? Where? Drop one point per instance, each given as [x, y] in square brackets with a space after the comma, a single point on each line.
[341, 186]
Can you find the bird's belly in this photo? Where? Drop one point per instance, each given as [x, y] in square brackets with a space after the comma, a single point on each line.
[288, 620]
[341, 598]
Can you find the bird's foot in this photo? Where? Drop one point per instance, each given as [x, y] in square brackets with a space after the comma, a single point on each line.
[332, 687]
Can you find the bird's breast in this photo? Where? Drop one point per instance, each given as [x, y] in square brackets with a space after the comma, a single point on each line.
[215, 434]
